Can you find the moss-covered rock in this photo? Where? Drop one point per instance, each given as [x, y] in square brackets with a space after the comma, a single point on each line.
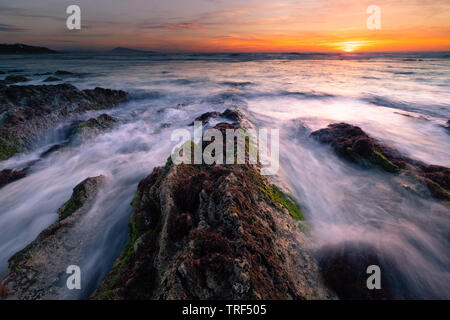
[37, 271]
[353, 144]
[28, 110]
[213, 232]
[9, 146]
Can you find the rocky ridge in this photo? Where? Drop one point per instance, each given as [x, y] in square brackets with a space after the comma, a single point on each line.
[38, 271]
[214, 232]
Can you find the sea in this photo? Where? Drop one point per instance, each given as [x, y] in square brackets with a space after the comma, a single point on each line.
[401, 99]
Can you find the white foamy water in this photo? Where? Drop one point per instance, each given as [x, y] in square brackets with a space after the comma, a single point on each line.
[403, 103]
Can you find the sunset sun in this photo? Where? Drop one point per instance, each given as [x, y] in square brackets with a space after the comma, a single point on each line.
[349, 46]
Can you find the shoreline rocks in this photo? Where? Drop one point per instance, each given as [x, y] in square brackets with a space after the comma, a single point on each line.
[26, 111]
[38, 271]
[353, 144]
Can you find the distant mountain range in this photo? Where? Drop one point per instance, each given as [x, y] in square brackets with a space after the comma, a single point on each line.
[19, 48]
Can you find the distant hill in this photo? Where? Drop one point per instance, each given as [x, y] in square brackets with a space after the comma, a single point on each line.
[122, 50]
[23, 49]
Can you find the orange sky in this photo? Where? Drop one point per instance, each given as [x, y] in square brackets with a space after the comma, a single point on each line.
[231, 25]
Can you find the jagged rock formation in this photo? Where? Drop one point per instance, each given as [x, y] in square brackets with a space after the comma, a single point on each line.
[353, 144]
[25, 111]
[213, 232]
[38, 271]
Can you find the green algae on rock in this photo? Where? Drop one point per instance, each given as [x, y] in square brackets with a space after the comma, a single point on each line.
[353, 144]
[213, 232]
[30, 275]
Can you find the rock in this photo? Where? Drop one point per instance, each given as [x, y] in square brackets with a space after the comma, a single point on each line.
[26, 111]
[344, 267]
[233, 115]
[363, 147]
[213, 232]
[51, 79]
[2, 290]
[8, 175]
[43, 74]
[15, 79]
[63, 73]
[447, 126]
[1, 72]
[353, 144]
[206, 116]
[38, 271]
[93, 127]
[15, 70]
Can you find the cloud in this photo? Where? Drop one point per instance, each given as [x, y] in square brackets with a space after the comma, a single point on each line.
[173, 26]
[22, 12]
[10, 28]
[176, 26]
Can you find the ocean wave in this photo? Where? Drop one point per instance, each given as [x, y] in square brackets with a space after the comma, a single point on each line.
[436, 110]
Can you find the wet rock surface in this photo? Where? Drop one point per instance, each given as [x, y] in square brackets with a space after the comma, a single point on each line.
[51, 79]
[353, 144]
[344, 268]
[234, 115]
[14, 79]
[91, 128]
[213, 232]
[26, 111]
[39, 270]
[8, 175]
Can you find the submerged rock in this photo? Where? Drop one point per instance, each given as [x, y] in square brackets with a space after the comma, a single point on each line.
[39, 270]
[15, 79]
[353, 144]
[344, 267]
[51, 79]
[447, 126]
[213, 232]
[8, 175]
[231, 114]
[63, 72]
[26, 111]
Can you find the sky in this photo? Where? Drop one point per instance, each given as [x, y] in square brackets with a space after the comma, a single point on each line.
[229, 25]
